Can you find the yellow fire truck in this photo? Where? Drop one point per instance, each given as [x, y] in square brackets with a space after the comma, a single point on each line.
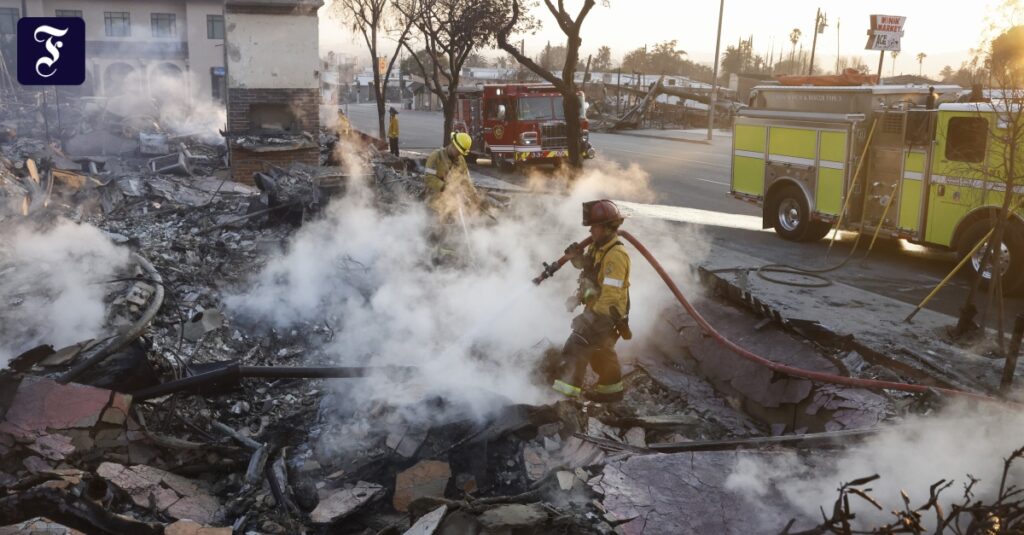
[926, 175]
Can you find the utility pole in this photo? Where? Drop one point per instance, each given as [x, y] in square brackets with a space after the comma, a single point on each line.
[814, 41]
[618, 89]
[837, 46]
[714, 75]
[881, 56]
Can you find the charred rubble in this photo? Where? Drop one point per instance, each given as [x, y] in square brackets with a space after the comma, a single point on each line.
[183, 420]
[91, 441]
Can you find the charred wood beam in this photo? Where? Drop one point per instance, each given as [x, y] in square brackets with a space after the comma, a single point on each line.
[808, 439]
[244, 440]
[234, 373]
[72, 511]
[257, 463]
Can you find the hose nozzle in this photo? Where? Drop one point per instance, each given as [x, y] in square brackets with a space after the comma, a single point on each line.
[553, 267]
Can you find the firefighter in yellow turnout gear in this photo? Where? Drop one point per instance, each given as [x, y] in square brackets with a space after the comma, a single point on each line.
[604, 293]
[447, 180]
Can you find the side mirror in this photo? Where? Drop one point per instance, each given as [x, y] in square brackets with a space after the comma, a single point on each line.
[501, 112]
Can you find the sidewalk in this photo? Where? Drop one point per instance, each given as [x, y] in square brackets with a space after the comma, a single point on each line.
[689, 135]
[846, 318]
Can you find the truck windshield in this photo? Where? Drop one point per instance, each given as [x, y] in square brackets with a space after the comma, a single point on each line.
[545, 108]
[540, 108]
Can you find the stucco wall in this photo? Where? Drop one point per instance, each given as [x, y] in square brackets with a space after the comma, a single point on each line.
[272, 51]
[203, 53]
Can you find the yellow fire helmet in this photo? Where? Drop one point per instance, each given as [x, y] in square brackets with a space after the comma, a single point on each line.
[462, 141]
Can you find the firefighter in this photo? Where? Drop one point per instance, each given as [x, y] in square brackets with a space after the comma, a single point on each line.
[447, 179]
[604, 293]
[393, 131]
[933, 99]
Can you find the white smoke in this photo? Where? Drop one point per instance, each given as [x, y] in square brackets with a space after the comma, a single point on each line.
[472, 329]
[170, 105]
[51, 285]
[965, 438]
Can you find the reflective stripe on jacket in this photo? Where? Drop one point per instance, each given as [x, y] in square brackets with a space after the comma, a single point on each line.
[611, 270]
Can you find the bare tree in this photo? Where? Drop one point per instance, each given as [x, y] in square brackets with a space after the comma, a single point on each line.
[449, 31]
[376, 20]
[566, 84]
[999, 262]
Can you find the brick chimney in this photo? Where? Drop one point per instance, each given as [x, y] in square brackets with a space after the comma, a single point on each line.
[271, 50]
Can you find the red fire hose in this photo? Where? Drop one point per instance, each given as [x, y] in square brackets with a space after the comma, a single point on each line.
[870, 384]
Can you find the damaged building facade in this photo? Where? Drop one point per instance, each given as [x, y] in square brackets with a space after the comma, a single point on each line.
[273, 84]
[137, 48]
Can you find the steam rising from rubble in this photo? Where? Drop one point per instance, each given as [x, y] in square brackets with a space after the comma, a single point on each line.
[473, 329]
[51, 285]
[172, 107]
[960, 440]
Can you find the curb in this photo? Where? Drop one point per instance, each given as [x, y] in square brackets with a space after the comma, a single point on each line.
[653, 136]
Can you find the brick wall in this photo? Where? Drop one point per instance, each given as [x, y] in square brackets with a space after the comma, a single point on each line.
[244, 163]
[305, 104]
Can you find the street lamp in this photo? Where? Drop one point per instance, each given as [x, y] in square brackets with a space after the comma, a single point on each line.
[714, 75]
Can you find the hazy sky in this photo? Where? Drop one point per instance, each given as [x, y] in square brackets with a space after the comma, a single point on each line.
[943, 30]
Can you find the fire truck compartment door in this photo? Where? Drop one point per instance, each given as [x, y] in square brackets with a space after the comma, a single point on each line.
[748, 158]
[831, 172]
[497, 133]
[911, 191]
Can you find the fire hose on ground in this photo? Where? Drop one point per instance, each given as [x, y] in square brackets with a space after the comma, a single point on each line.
[792, 371]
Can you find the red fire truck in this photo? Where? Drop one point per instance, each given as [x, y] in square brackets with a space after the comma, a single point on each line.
[518, 123]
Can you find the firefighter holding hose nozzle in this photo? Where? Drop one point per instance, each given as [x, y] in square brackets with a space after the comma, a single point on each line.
[604, 293]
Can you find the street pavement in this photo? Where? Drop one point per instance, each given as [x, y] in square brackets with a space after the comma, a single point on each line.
[691, 186]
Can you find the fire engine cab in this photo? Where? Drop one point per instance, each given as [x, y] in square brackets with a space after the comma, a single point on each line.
[518, 123]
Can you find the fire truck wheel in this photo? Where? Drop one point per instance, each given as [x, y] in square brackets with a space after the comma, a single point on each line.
[790, 214]
[1011, 248]
[818, 230]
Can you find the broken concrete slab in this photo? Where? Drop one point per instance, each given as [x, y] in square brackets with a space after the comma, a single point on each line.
[178, 497]
[42, 404]
[345, 502]
[428, 523]
[866, 319]
[571, 454]
[565, 479]
[636, 436]
[189, 527]
[405, 441]
[54, 447]
[513, 517]
[645, 494]
[426, 478]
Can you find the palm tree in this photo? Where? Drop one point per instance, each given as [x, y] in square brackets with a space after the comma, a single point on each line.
[920, 62]
[894, 53]
[794, 37]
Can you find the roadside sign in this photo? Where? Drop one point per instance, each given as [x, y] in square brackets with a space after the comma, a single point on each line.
[885, 32]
